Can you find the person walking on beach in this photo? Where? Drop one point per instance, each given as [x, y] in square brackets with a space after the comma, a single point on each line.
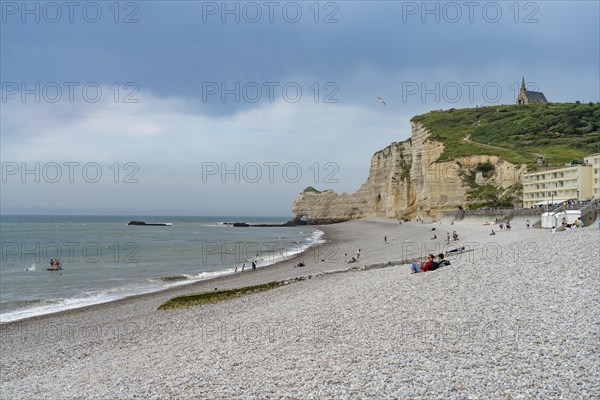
[385, 239]
[253, 265]
[527, 224]
[448, 238]
[358, 254]
[243, 267]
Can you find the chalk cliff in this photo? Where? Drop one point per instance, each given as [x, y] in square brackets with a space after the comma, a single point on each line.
[406, 180]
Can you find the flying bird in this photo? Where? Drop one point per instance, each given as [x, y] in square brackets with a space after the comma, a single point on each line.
[381, 100]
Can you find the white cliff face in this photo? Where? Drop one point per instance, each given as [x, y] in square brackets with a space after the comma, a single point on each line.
[406, 181]
[383, 194]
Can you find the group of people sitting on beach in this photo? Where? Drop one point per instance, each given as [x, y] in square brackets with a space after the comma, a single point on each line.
[429, 265]
[454, 237]
[505, 227]
[578, 223]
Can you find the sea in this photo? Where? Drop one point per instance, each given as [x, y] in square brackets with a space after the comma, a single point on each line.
[104, 259]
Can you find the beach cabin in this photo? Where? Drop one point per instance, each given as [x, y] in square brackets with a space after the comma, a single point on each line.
[569, 215]
[548, 220]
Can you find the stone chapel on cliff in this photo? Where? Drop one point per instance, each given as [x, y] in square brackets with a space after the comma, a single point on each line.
[530, 97]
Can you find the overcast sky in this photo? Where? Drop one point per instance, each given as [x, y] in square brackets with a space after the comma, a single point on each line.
[214, 108]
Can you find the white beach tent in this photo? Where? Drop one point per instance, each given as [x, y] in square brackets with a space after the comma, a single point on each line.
[548, 220]
[569, 215]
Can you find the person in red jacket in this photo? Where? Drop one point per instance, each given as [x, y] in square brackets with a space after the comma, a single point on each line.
[422, 265]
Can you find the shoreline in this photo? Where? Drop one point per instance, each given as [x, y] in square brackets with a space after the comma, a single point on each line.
[176, 290]
[339, 241]
[334, 235]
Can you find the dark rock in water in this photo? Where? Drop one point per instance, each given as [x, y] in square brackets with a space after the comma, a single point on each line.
[145, 224]
[246, 225]
[296, 222]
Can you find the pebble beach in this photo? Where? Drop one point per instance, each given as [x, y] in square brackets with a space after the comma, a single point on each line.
[515, 316]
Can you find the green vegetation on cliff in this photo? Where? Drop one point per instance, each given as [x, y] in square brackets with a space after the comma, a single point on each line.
[486, 169]
[311, 189]
[560, 132]
[485, 195]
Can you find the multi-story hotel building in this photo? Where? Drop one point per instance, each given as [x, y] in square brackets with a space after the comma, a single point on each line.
[594, 161]
[573, 182]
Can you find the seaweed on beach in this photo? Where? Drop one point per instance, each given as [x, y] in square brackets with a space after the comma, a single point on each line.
[216, 296]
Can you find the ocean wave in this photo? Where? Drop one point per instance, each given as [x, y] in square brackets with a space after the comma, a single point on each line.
[21, 309]
[175, 280]
[46, 306]
[16, 304]
[317, 237]
[171, 278]
[289, 253]
[17, 310]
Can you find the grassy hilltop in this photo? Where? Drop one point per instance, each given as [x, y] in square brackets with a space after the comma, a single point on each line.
[561, 132]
